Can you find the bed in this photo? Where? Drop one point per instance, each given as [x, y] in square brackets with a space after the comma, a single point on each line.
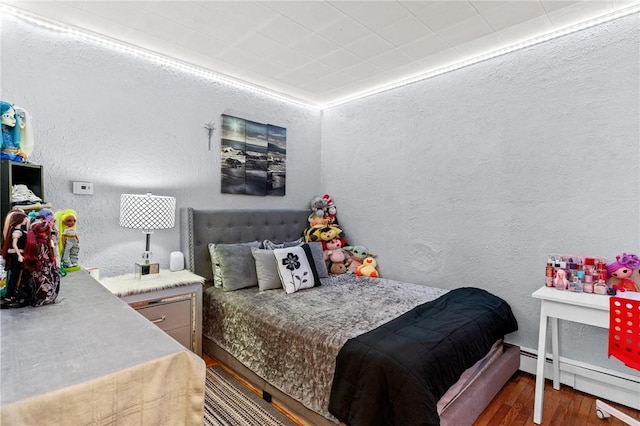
[297, 355]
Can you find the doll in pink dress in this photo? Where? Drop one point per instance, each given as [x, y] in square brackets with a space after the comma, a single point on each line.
[621, 271]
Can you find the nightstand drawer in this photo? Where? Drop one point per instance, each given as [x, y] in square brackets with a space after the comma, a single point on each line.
[182, 335]
[168, 316]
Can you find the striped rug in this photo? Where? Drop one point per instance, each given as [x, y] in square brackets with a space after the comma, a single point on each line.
[228, 402]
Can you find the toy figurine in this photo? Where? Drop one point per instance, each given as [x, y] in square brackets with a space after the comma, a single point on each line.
[560, 281]
[10, 148]
[15, 238]
[43, 280]
[69, 243]
[621, 271]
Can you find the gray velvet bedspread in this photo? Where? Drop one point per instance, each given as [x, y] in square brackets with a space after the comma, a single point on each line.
[292, 340]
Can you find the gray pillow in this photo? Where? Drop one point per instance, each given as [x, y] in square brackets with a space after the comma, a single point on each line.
[318, 259]
[215, 264]
[270, 245]
[237, 267]
[266, 269]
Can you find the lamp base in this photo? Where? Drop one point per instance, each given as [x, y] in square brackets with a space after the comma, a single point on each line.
[146, 269]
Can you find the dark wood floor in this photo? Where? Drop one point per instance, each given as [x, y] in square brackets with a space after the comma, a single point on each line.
[565, 407]
[513, 406]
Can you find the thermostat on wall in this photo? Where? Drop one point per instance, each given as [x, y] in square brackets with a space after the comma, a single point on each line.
[83, 188]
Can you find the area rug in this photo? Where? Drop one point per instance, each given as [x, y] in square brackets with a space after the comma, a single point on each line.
[228, 402]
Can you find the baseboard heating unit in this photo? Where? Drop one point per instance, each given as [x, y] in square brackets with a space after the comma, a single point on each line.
[607, 384]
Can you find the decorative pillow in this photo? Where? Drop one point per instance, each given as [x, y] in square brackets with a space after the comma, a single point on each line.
[215, 263]
[237, 267]
[270, 245]
[318, 259]
[215, 266]
[266, 269]
[296, 268]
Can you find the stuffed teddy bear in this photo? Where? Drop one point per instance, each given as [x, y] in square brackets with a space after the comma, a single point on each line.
[334, 254]
[318, 212]
[357, 254]
[368, 268]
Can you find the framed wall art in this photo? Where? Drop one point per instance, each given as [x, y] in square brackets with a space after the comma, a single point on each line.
[252, 157]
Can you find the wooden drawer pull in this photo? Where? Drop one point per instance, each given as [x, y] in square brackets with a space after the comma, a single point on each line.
[162, 318]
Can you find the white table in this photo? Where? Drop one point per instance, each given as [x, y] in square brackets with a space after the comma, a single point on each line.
[584, 308]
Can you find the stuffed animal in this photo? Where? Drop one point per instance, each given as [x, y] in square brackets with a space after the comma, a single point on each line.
[357, 254]
[337, 268]
[322, 233]
[334, 254]
[330, 211]
[318, 212]
[368, 268]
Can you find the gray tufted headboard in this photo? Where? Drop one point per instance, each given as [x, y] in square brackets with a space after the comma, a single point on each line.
[198, 228]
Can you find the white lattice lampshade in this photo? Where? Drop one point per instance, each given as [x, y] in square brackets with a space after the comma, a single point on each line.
[147, 211]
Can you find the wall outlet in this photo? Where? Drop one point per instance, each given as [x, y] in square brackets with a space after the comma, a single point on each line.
[83, 188]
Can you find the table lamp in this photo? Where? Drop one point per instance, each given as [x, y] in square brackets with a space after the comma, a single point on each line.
[147, 212]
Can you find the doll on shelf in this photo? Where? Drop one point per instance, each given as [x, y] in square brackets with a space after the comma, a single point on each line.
[43, 279]
[10, 148]
[14, 241]
[621, 271]
[68, 243]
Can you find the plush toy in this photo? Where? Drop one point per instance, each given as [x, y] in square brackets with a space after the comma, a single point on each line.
[337, 268]
[322, 233]
[357, 254]
[318, 212]
[334, 254]
[621, 271]
[330, 211]
[368, 268]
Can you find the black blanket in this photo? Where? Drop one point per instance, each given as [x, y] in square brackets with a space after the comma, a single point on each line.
[396, 373]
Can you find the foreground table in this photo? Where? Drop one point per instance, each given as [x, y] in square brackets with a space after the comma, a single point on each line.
[91, 359]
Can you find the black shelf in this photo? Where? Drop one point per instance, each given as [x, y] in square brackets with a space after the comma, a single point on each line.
[15, 173]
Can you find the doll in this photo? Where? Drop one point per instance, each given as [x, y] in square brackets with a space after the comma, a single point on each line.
[43, 279]
[560, 281]
[10, 149]
[13, 244]
[68, 243]
[621, 271]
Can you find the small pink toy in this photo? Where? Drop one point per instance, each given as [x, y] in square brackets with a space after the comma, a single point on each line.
[560, 281]
[621, 270]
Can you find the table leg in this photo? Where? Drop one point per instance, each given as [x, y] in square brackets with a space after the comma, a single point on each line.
[555, 353]
[542, 342]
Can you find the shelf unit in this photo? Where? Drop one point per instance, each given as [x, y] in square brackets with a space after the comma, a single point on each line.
[14, 173]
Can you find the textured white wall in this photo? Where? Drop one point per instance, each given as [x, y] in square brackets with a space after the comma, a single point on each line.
[129, 125]
[469, 178]
[474, 177]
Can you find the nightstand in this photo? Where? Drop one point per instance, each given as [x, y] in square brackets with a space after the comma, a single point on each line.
[170, 300]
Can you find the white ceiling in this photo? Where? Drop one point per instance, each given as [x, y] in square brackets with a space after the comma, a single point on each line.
[323, 52]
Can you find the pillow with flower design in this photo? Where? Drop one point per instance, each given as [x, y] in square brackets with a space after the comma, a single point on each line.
[296, 268]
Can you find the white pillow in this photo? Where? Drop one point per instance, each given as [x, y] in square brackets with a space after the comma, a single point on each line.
[296, 268]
